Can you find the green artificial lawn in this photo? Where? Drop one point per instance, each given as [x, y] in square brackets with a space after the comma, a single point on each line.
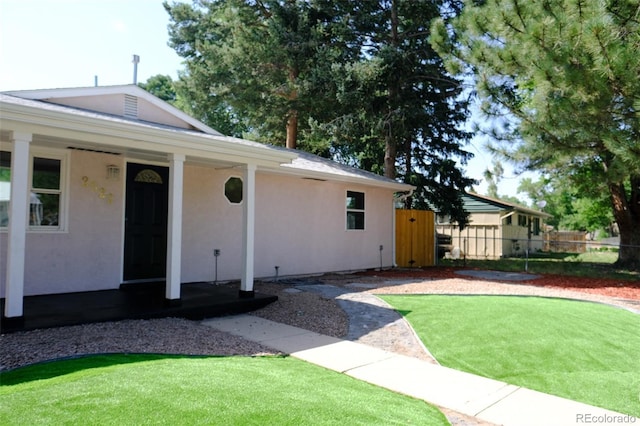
[577, 350]
[176, 390]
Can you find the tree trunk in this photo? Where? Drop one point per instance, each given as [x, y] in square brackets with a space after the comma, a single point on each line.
[408, 153]
[390, 152]
[627, 215]
[292, 130]
[390, 143]
[292, 115]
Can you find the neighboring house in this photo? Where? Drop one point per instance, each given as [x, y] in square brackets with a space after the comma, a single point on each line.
[497, 229]
[111, 185]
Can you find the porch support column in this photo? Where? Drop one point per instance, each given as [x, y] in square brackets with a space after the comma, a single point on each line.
[174, 231]
[248, 229]
[17, 230]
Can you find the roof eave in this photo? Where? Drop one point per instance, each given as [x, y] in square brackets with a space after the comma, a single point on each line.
[128, 89]
[30, 119]
[356, 180]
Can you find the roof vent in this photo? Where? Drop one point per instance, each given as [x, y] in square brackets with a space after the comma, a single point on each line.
[130, 106]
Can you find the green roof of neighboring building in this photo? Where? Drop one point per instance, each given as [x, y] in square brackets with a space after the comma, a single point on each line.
[474, 203]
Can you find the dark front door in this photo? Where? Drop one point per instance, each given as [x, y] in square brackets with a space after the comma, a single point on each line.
[145, 230]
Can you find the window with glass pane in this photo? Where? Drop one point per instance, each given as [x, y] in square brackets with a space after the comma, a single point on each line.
[45, 192]
[522, 220]
[5, 187]
[355, 210]
[233, 190]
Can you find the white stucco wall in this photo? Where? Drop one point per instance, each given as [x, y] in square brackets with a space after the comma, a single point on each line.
[87, 255]
[300, 227]
[210, 222]
[114, 104]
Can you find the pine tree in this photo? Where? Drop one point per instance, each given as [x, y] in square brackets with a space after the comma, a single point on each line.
[355, 80]
[402, 113]
[561, 79]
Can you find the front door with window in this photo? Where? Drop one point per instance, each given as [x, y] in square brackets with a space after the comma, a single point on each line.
[146, 208]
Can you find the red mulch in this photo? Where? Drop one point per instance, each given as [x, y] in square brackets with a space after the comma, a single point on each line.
[605, 286]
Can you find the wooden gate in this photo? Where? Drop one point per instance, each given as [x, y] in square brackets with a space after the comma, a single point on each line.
[415, 238]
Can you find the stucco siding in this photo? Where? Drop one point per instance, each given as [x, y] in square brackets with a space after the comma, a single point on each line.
[149, 112]
[87, 256]
[210, 222]
[109, 104]
[300, 227]
[115, 104]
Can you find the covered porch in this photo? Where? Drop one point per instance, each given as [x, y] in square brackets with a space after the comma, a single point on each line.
[142, 301]
[34, 130]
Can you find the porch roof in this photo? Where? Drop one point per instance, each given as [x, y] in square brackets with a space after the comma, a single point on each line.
[58, 125]
[54, 124]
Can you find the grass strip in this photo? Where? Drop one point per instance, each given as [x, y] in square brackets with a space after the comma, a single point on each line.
[582, 351]
[157, 389]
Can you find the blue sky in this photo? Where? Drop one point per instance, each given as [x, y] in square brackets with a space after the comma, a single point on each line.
[67, 43]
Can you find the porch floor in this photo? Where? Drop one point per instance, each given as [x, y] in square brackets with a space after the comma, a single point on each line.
[140, 301]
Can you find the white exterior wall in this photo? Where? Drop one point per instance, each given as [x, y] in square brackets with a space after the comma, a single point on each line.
[520, 233]
[114, 104]
[210, 222]
[87, 256]
[300, 227]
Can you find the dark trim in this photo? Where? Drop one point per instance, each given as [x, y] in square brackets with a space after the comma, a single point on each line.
[12, 322]
[197, 301]
[172, 303]
[244, 294]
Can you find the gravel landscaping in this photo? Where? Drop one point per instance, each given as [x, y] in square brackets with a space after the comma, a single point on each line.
[298, 305]
[334, 308]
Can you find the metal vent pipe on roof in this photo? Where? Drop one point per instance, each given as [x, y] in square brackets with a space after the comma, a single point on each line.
[136, 61]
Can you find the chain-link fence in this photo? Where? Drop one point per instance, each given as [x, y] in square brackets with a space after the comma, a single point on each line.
[492, 247]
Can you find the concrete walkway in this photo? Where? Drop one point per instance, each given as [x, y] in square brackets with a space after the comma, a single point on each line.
[486, 399]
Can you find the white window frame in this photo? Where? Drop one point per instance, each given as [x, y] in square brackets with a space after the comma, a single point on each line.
[63, 157]
[224, 190]
[352, 210]
[3, 228]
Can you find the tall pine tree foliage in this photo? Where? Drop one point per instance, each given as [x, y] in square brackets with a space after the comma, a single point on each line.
[356, 80]
[566, 72]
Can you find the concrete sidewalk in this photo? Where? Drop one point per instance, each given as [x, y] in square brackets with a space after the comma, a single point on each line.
[486, 399]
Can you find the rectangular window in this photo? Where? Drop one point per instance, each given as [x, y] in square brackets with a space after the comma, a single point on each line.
[536, 226]
[355, 210]
[46, 190]
[522, 220]
[5, 187]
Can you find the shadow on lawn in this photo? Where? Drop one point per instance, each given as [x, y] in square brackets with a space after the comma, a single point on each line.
[68, 365]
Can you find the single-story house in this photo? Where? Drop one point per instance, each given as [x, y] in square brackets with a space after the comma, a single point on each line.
[102, 186]
[496, 229]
